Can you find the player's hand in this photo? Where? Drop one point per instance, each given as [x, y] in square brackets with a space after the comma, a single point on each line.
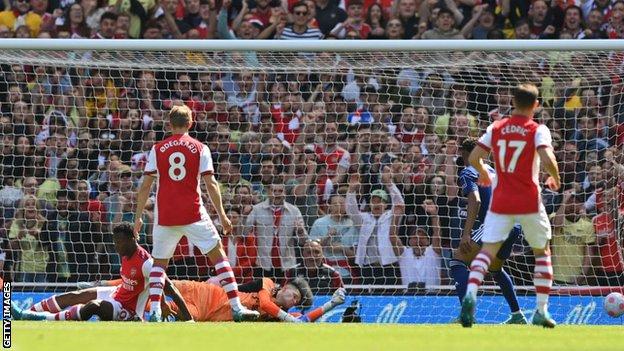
[386, 175]
[465, 244]
[226, 224]
[138, 225]
[338, 298]
[553, 184]
[484, 179]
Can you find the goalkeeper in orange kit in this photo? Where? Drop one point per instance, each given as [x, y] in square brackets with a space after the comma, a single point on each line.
[207, 302]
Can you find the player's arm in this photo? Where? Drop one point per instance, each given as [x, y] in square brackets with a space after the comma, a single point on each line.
[338, 298]
[478, 154]
[144, 191]
[212, 186]
[173, 292]
[547, 156]
[472, 211]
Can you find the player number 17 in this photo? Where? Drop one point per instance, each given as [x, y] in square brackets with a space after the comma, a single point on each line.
[517, 145]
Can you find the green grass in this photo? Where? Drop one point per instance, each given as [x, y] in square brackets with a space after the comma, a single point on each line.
[61, 336]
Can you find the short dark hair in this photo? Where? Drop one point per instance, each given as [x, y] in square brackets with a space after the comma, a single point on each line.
[62, 193]
[180, 116]
[468, 144]
[446, 10]
[108, 15]
[355, 2]
[304, 290]
[300, 4]
[525, 95]
[124, 230]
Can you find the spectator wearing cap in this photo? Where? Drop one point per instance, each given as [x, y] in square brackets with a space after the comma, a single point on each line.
[420, 260]
[573, 241]
[328, 15]
[354, 22]
[337, 235]
[323, 278]
[21, 11]
[300, 28]
[279, 229]
[444, 27]
[378, 246]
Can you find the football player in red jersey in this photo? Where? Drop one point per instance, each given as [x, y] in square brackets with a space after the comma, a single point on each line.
[179, 163]
[126, 302]
[518, 144]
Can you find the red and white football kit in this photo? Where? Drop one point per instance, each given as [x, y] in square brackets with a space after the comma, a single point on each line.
[130, 297]
[516, 198]
[179, 162]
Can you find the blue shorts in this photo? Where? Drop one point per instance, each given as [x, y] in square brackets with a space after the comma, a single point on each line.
[505, 250]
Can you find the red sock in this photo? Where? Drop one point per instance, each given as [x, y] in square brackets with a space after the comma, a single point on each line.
[72, 314]
[542, 279]
[478, 270]
[47, 305]
[156, 284]
[226, 278]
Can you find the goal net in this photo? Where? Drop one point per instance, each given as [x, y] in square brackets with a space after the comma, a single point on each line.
[77, 125]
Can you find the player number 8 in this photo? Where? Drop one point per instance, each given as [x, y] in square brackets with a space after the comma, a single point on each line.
[177, 171]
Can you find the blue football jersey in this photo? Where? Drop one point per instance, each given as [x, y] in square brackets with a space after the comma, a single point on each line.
[467, 181]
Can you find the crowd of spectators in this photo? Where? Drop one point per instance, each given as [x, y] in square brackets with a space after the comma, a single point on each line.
[342, 176]
[313, 19]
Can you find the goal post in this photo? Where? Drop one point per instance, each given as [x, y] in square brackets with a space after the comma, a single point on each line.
[79, 117]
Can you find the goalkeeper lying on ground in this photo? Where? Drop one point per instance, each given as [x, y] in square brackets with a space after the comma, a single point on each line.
[206, 302]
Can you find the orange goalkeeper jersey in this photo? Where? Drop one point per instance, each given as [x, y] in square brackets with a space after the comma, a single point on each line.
[209, 303]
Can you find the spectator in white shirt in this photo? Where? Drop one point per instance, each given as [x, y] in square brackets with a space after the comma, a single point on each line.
[420, 261]
[378, 246]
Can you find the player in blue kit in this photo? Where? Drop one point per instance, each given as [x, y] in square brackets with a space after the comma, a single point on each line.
[473, 206]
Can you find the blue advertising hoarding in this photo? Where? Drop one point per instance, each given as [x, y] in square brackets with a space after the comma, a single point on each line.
[442, 309]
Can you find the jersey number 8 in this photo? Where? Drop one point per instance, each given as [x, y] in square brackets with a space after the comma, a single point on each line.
[177, 172]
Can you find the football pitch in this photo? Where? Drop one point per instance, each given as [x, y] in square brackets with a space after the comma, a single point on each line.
[40, 336]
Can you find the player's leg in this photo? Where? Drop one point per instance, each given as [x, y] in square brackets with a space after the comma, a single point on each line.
[537, 233]
[459, 270]
[204, 235]
[495, 231]
[57, 303]
[503, 280]
[165, 240]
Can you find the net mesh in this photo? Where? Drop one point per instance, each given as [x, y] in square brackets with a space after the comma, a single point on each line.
[77, 127]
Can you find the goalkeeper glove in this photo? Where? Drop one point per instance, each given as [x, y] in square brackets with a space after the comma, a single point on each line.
[338, 298]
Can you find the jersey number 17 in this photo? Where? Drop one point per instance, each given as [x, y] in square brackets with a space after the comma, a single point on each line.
[517, 146]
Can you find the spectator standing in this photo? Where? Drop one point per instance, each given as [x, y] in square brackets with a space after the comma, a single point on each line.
[279, 229]
[300, 28]
[328, 15]
[573, 241]
[377, 249]
[354, 22]
[337, 235]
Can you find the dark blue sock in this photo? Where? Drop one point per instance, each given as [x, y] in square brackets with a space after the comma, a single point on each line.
[459, 272]
[504, 282]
